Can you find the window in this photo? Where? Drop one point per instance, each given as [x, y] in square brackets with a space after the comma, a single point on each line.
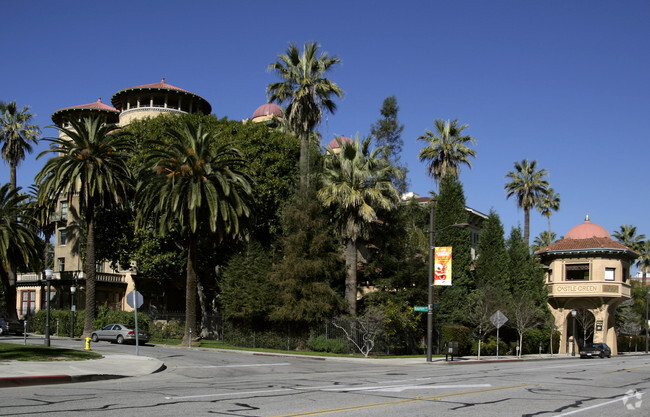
[610, 274]
[62, 237]
[61, 264]
[577, 272]
[550, 275]
[28, 302]
[64, 209]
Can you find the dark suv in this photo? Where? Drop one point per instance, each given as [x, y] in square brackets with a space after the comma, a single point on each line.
[591, 350]
[8, 326]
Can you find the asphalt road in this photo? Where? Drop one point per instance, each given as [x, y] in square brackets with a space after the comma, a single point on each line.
[206, 382]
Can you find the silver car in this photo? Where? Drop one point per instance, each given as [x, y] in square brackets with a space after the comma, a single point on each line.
[118, 333]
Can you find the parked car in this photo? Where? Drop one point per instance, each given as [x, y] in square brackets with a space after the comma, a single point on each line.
[118, 333]
[9, 326]
[591, 350]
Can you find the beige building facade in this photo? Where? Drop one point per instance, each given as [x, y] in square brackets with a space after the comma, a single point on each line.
[587, 277]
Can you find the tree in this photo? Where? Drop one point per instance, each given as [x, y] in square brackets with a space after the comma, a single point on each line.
[19, 243]
[356, 183]
[370, 325]
[626, 234]
[529, 185]
[387, 134]
[193, 182]
[447, 149]
[91, 161]
[306, 91]
[525, 276]
[305, 279]
[450, 209]
[491, 254]
[16, 133]
[543, 240]
[524, 314]
[481, 305]
[548, 203]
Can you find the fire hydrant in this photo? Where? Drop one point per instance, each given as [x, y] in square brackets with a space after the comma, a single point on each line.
[87, 343]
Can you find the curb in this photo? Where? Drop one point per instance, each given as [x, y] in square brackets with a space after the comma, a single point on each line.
[22, 381]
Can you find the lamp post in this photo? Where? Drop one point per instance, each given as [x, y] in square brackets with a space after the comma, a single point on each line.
[574, 313]
[73, 288]
[48, 277]
[647, 323]
[432, 246]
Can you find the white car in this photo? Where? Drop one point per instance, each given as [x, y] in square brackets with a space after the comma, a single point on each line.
[118, 333]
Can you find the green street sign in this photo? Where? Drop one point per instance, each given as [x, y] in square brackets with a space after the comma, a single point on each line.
[419, 308]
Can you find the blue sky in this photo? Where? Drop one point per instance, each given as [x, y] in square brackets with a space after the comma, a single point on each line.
[561, 82]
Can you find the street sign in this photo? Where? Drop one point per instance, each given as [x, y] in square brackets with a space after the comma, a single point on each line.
[134, 299]
[498, 319]
[421, 308]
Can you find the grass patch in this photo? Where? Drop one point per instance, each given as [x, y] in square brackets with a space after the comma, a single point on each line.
[15, 352]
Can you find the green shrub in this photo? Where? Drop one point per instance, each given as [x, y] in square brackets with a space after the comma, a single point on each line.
[36, 323]
[172, 329]
[323, 344]
[460, 334]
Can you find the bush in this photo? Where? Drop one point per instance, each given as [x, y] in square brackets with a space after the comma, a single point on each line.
[459, 334]
[107, 316]
[172, 329]
[36, 323]
[323, 344]
[489, 348]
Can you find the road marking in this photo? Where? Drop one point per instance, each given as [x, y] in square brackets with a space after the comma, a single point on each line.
[580, 410]
[397, 402]
[233, 366]
[189, 397]
[400, 388]
[627, 369]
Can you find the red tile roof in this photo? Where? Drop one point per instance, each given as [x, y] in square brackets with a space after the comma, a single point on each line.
[205, 106]
[59, 115]
[592, 244]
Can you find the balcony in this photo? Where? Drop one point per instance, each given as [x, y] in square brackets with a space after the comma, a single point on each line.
[573, 289]
[101, 277]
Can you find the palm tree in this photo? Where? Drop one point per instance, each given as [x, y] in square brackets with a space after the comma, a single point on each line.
[643, 263]
[626, 234]
[356, 183]
[528, 185]
[16, 134]
[19, 244]
[190, 182]
[549, 202]
[543, 240]
[447, 149]
[91, 164]
[307, 92]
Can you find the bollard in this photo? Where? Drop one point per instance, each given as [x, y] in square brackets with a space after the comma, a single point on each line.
[87, 343]
[189, 341]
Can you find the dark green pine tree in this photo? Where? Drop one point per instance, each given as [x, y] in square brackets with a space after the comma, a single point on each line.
[387, 133]
[450, 209]
[492, 256]
[307, 282]
[525, 276]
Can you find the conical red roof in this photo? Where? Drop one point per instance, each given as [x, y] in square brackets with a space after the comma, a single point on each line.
[90, 108]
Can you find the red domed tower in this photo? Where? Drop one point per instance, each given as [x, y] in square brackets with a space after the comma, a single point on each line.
[269, 113]
[587, 275]
[111, 114]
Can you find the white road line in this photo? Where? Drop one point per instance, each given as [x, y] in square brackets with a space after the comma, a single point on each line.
[580, 410]
[233, 366]
[228, 394]
[400, 388]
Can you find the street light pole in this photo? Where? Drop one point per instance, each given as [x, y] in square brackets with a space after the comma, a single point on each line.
[48, 276]
[574, 313]
[73, 288]
[647, 323]
[432, 246]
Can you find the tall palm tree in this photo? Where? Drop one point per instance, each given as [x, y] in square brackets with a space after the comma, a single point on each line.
[626, 234]
[528, 184]
[193, 182]
[356, 183]
[543, 240]
[549, 202]
[447, 149]
[306, 91]
[643, 263]
[16, 133]
[91, 163]
[19, 244]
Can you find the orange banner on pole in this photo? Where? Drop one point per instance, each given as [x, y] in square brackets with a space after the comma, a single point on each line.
[442, 271]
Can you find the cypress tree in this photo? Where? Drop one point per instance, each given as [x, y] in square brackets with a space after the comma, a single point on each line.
[492, 256]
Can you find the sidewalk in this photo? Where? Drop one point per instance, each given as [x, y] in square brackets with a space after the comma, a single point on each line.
[21, 373]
